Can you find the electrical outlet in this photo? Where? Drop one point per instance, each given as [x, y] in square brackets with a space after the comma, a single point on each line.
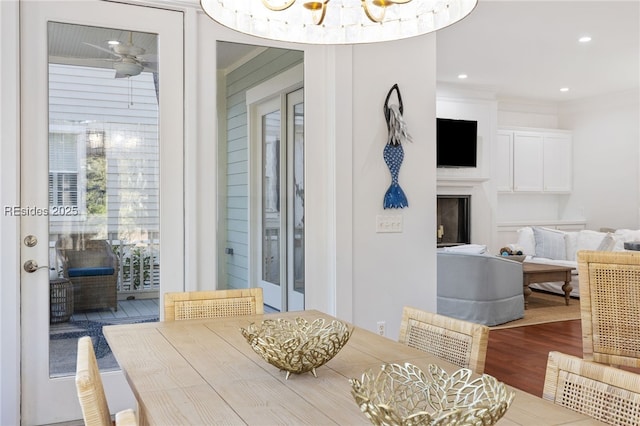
[381, 328]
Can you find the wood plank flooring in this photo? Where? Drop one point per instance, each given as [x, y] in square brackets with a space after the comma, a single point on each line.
[518, 356]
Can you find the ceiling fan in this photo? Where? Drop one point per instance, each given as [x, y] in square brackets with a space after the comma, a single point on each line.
[130, 59]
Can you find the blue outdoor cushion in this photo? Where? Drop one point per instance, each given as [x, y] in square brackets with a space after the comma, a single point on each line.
[90, 272]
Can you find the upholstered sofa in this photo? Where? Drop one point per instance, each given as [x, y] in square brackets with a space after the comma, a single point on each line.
[480, 288]
[92, 268]
[556, 247]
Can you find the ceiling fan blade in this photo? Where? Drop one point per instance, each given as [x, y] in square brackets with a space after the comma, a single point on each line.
[150, 66]
[100, 48]
[147, 57]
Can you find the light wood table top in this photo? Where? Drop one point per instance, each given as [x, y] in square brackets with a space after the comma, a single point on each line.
[203, 372]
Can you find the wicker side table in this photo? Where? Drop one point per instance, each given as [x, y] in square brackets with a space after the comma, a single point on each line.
[61, 302]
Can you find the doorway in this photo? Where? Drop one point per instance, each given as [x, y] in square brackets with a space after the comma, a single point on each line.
[277, 133]
[95, 166]
[262, 232]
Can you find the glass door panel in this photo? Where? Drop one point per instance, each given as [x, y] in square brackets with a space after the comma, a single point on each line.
[271, 219]
[281, 186]
[295, 139]
[104, 176]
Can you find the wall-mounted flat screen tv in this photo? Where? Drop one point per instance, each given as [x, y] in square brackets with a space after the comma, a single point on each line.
[457, 142]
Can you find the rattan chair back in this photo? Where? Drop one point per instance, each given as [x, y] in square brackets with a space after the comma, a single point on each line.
[610, 306]
[462, 343]
[213, 304]
[93, 401]
[607, 394]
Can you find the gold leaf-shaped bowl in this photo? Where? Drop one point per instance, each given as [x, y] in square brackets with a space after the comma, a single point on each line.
[297, 347]
[405, 395]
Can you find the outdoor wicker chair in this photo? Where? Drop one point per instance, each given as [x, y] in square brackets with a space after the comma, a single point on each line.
[460, 342]
[610, 306]
[213, 304]
[95, 410]
[607, 394]
[92, 268]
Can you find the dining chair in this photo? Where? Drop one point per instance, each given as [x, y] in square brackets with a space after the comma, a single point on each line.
[610, 306]
[213, 304]
[462, 343]
[95, 410]
[606, 393]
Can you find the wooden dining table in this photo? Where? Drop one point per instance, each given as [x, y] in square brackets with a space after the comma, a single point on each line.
[203, 372]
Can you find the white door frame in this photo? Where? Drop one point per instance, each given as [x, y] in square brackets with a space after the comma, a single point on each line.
[285, 82]
[38, 405]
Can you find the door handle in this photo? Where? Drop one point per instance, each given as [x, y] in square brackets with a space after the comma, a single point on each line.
[31, 266]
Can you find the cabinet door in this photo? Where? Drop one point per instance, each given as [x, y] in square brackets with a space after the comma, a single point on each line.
[557, 163]
[527, 162]
[503, 162]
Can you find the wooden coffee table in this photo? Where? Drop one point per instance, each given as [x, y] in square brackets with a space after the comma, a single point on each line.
[541, 273]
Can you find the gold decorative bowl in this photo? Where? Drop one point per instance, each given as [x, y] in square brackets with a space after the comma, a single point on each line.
[404, 395]
[297, 347]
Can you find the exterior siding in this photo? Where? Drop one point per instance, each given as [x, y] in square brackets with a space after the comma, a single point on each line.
[87, 105]
[125, 112]
[263, 67]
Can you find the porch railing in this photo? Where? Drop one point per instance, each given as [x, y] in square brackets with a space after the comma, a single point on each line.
[138, 265]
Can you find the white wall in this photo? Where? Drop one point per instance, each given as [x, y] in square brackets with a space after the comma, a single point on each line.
[526, 113]
[606, 167]
[391, 270]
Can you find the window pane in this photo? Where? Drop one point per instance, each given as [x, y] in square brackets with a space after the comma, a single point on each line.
[298, 204]
[271, 220]
[104, 187]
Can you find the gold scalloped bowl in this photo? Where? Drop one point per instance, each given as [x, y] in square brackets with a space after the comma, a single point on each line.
[297, 347]
[405, 395]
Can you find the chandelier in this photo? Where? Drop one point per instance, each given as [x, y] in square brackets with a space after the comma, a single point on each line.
[337, 21]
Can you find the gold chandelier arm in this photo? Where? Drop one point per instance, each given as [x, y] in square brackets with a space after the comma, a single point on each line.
[399, 1]
[317, 7]
[278, 8]
[370, 15]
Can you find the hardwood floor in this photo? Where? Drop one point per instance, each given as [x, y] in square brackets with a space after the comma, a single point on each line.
[518, 356]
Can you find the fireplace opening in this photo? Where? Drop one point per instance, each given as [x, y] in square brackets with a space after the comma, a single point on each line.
[454, 220]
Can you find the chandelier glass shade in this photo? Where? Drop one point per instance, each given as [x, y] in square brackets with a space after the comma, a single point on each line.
[337, 21]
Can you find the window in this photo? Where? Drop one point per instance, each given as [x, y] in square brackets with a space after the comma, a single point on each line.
[63, 169]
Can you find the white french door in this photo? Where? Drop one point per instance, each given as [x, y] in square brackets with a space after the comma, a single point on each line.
[101, 159]
[278, 133]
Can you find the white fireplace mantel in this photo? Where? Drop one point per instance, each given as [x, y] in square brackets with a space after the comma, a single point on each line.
[480, 206]
[460, 181]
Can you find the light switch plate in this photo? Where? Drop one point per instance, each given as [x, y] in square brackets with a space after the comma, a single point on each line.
[388, 223]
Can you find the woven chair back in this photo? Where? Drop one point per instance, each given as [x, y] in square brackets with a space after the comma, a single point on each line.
[213, 304]
[610, 306]
[460, 342]
[93, 401]
[607, 394]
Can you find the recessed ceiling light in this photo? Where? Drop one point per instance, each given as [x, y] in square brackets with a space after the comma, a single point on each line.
[113, 42]
[462, 76]
[584, 39]
[564, 89]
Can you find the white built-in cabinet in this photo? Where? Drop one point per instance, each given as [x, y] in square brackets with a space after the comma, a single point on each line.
[533, 161]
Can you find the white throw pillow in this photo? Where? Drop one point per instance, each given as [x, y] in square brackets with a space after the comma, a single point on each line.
[550, 243]
[589, 240]
[628, 234]
[572, 244]
[608, 243]
[526, 241]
